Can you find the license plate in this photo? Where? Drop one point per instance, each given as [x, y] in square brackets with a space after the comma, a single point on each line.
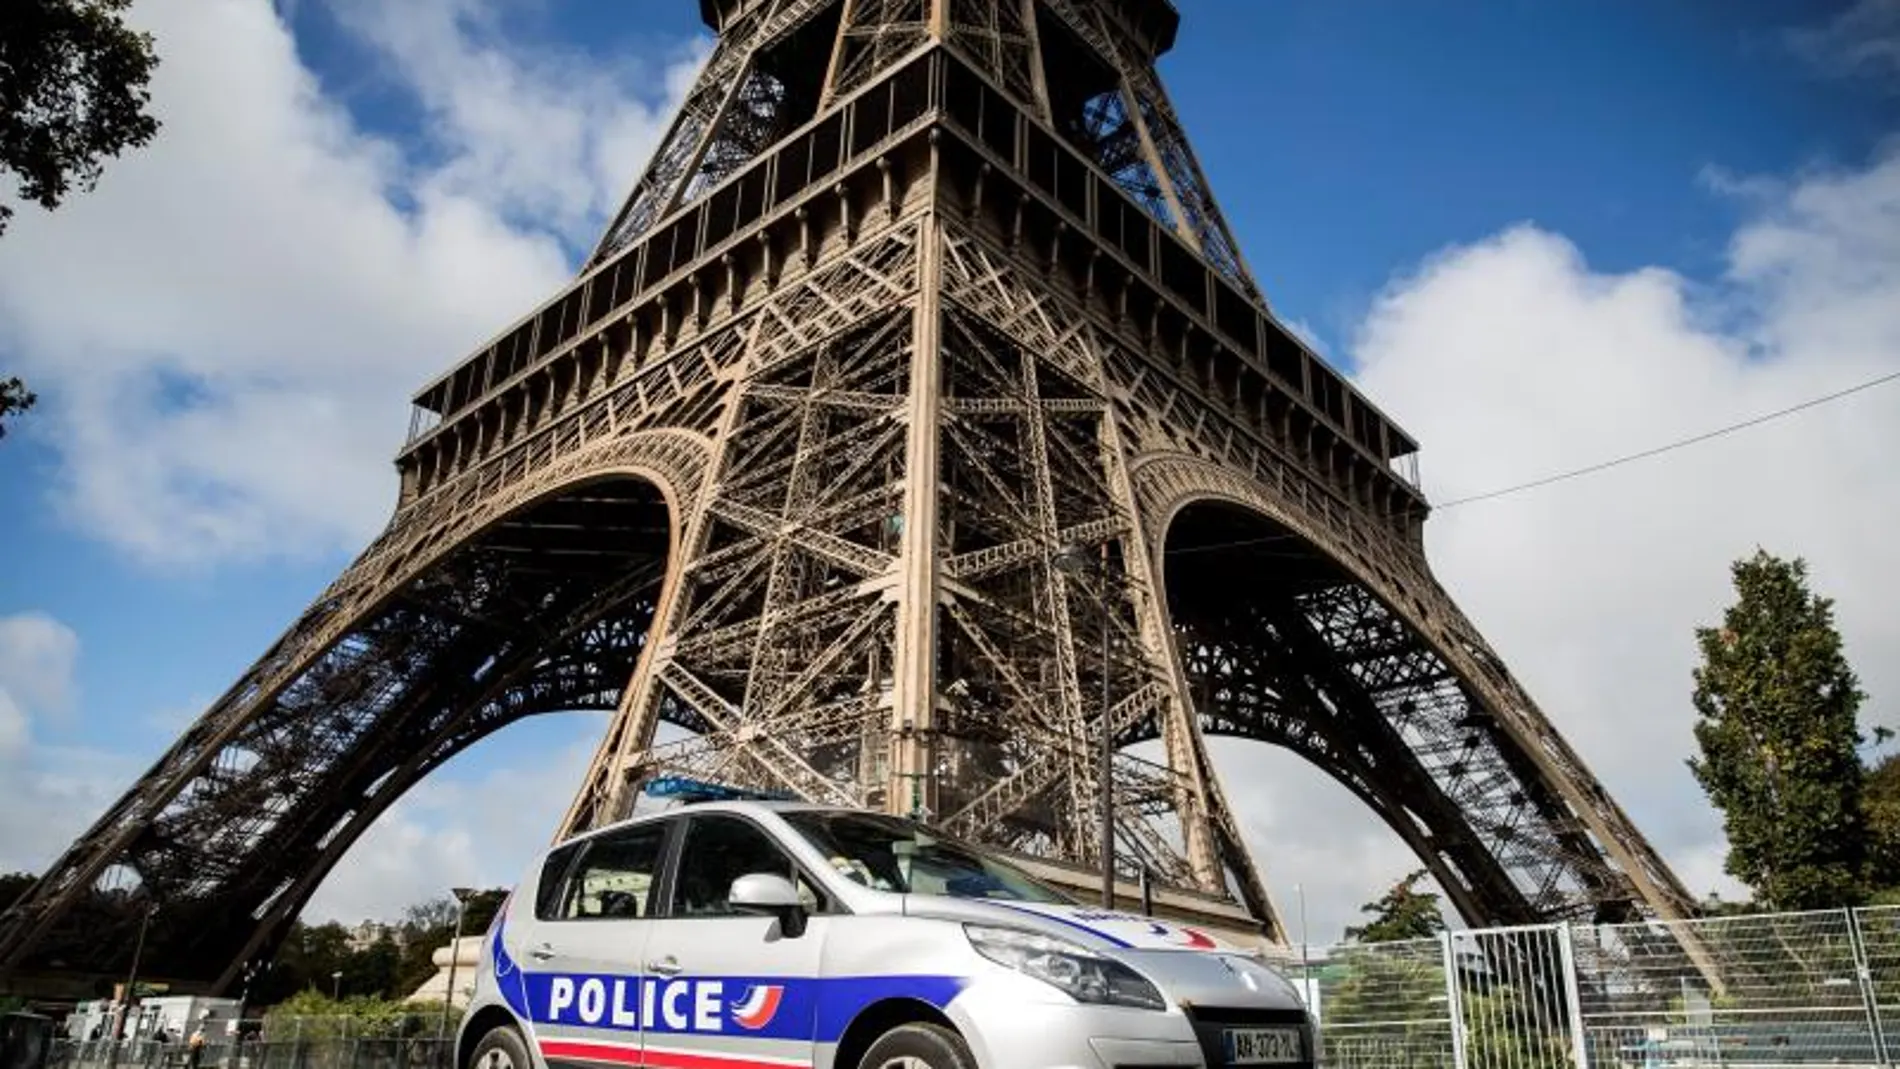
[1262, 1046]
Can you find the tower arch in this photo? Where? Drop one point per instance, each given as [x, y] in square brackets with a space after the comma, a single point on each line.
[465, 617]
[1291, 635]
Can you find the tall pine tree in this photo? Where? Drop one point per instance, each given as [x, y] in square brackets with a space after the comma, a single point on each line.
[1777, 701]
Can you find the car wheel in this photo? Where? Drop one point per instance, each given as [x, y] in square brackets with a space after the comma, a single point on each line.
[918, 1046]
[501, 1048]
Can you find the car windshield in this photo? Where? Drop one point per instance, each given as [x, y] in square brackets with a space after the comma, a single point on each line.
[891, 854]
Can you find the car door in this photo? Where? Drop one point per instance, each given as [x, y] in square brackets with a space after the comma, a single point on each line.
[731, 986]
[581, 963]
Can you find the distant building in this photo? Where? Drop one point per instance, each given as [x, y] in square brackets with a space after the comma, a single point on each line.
[369, 933]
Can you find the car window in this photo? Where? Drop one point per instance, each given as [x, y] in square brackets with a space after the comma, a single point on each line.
[615, 876]
[891, 854]
[547, 895]
[718, 850]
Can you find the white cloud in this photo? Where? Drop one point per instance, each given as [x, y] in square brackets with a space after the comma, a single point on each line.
[1307, 333]
[15, 729]
[224, 334]
[1861, 40]
[450, 831]
[37, 658]
[546, 135]
[53, 794]
[1321, 851]
[1510, 358]
[456, 829]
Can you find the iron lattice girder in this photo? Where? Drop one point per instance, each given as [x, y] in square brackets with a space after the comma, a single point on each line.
[781, 651]
[305, 773]
[874, 375]
[1243, 364]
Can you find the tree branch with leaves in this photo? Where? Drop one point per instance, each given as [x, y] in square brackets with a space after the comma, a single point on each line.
[73, 93]
[73, 80]
[15, 399]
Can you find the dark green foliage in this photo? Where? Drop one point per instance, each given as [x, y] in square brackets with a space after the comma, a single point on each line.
[1506, 1028]
[15, 398]
[428, 926]
[482, 907]
[391, 967]
[309, 1015]
[72, 92]
[1880, 804]
[308, 957]
[12, 886]
[1777, 702]
[1404, 913]
[1387, 1007]
[373, 970]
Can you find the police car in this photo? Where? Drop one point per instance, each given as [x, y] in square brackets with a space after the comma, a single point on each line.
[764, 934]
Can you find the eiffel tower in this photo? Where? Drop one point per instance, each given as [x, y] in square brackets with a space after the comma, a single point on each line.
[915, 429]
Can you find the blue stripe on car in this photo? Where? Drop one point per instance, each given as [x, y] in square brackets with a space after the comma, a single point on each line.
[1064, 920]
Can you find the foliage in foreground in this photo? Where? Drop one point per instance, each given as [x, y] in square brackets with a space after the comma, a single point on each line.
[73, 80]
[313, 1015]
[15, 398]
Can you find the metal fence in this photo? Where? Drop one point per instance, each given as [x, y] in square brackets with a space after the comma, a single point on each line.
[330, 1052]
[1765, 990]
[1759, 991]
[281, 1042]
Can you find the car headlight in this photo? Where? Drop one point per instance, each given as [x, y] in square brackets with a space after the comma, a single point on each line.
[1077, 970]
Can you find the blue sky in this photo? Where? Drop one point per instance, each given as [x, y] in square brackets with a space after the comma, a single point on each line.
[1486, 210]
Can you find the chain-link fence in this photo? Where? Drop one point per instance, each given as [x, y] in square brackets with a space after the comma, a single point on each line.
[1762, 990]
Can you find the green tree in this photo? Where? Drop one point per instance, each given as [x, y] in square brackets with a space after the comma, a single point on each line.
[1504, 1030]
[12, 886]
[311, 1015]
[1777, 702]
[1405, 912]
[428, 926]
[308, 961]
[481, 910]
[429, 916]
[1880, 806]
[372, 970]
[15, 398]
[73, 92]
[418, 958]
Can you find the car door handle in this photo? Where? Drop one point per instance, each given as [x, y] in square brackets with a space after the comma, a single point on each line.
[541, 953]
[666, 966]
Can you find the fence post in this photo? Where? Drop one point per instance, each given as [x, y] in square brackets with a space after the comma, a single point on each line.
[1573, 1001]
[1869, 998]
[1452, 1004]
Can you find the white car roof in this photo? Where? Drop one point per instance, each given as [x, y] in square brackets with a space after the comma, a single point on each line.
[736, 805]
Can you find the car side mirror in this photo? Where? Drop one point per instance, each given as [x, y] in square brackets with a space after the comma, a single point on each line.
[770, 894]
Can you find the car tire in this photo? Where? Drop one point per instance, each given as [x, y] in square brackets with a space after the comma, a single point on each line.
[501, 1048]
[918, 1046]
